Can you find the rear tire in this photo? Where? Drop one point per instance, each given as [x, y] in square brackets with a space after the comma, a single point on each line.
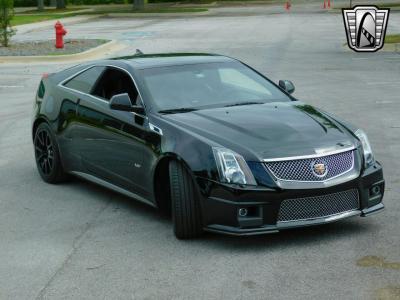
[185, 204]
[47, 155]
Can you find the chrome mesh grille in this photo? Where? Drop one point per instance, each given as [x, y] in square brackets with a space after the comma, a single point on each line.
[302, 169]
[318, 206]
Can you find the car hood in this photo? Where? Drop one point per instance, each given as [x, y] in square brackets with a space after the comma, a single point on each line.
[271, 130]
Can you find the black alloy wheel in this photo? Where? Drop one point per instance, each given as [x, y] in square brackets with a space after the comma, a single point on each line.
[47, 156]
[44, 152]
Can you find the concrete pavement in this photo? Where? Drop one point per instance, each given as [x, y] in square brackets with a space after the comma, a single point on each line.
[80, 241]
[105, 50]
[31, 27]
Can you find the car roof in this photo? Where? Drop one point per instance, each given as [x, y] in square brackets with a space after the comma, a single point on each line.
[144, 61]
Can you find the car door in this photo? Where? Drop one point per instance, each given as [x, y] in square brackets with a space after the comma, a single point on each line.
[113, 142]
[72, 90]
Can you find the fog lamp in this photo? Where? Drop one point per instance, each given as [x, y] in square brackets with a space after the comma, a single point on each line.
[375, 190]
[243, 212]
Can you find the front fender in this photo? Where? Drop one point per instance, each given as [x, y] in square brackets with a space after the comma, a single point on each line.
[195, 151]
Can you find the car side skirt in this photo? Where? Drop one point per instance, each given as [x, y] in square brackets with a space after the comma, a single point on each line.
[113, 187]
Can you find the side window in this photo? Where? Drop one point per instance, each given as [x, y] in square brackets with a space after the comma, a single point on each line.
[113, 82]
[85, 81]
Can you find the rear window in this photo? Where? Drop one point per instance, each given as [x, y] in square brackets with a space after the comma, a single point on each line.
[85, 81]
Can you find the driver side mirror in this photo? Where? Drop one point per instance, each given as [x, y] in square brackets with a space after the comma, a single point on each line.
[123, 102]
[287, 85]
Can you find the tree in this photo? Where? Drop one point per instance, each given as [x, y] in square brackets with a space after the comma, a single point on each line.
[6, 15]
[139, 4]
[60, 4]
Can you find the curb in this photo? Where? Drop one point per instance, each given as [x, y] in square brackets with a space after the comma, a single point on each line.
[50, 23]
[158, 15]
[65, 13]
[395, 47]
[91, 54]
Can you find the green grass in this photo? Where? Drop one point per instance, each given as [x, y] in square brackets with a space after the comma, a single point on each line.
[148, 9]
[380, 5]
[37, 16]
[49, 11]
[385, 5]
[26, 19]
[392, 38]
[167, 10]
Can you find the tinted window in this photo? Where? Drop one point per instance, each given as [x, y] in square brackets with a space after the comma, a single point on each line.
[113, 82]
[85, 81]
[208, 85]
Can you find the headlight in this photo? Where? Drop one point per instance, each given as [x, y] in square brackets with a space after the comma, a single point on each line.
[368, 155]
[232, 167]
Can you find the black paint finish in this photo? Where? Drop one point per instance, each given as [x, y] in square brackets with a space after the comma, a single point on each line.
[127, 150]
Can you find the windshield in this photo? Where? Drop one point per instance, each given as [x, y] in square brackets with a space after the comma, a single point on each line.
[196, 86]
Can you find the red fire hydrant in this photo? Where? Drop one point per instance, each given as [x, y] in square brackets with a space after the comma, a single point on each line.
[60, 32]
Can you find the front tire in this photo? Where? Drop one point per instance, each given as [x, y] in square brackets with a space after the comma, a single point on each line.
[186, 214]
[47, 155]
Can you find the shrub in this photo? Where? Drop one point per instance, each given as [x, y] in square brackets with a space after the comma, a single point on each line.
[95, 2]
[29, 3]
[6, 15]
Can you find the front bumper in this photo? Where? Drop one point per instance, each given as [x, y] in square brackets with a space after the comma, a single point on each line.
[221, 203]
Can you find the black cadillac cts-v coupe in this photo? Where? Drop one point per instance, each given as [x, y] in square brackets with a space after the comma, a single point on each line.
[207, 138]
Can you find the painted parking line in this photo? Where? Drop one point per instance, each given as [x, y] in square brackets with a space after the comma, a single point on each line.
[137, 34]
[11, 86]
[385, 102]
[383, 83]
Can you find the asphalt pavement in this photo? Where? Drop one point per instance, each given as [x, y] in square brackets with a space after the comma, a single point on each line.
[81, 241]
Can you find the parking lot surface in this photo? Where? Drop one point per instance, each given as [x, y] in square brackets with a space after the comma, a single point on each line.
[80, 241]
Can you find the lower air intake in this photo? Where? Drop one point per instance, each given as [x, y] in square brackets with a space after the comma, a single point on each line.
[318, 206]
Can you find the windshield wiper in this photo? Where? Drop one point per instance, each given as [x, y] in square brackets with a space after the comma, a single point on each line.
[177, 110]
[244, 103]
